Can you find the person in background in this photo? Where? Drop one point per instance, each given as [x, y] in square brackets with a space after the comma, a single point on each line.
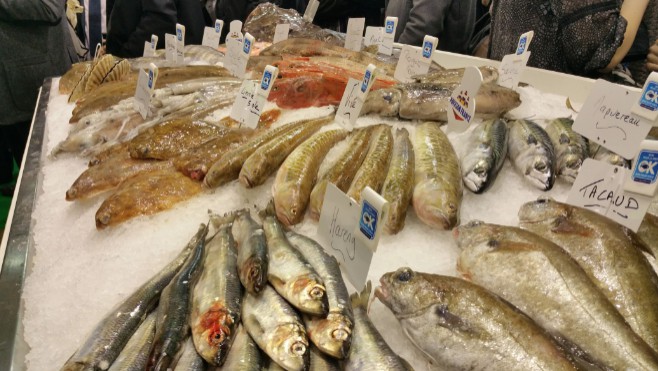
[334, 14]
[452, 21]
[652, 57]
[132, 22]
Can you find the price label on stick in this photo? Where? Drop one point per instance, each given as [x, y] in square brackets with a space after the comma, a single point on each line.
[237, 58]
[647, 106]
[144, 91]
[644, 174]
[211, 35]
[462, 100]
[512, 65]
[354, 96]
[180, 44]
[170, 48]
[149, 47]
[374, 36]
[415, 61]
[354, 34]
[372, 215]
[311, 9]
[234, 38]
[281, 32]
[248, 106]
[390, 26]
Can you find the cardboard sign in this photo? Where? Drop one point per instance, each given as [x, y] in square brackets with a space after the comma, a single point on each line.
[647, 106]
[248, 106]
[415, 61]
[281, 32]
[149, 47]
[390, 25]
[462, 100]
[144, 90]
[354, 34]
[180, 44]
[170, 48]
[353, 98]
[211, 35]
[512, 65]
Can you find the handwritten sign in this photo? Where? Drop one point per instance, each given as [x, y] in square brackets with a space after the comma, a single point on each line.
[144, 90]
[354, 34]
[647, 105]
[149, 47]
[234, 38]
[512, 65]
[374, 36]
[180, 44]
[600, 187]
[462, 100]
[311, 9]
[211, 35]
[281, 32]
[390, 25]
[248, 106]
[606, 119]
[415, 61]
[236, 59]
[170, 48]
[353, 98]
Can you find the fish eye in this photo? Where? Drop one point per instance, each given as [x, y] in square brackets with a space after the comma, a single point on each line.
[540, 166]
[298, 349]
[217, 337]
[317, 292]
[293, 211]
[340, 334]
[404, 276]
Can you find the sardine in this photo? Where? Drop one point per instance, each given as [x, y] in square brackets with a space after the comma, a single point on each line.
[532, 153]
[374, 168]
[610, 254]
[438, 184]
[216, 299]
[135, 355]
[112, 333]
[543, 281]
[601, 153]
[333, 334]
[399, 183]
[462, 326]
[244, 354]
[648, 233]
[289, 272]
[485, 155]
[253, 258]
[277, 329]
[298, 173]
[189, 359]
[322, 362]
[571, 148]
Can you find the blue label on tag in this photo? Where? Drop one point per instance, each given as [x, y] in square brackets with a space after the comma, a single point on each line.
[649, 99]
[217, 24]
[247, 46]
[153, 42]
[179, 34]
[265, 83]
[646, 167]
[150, 83]
[368, 221]
[366, 80]
[427, 49]
[389, 26]
[522, 43]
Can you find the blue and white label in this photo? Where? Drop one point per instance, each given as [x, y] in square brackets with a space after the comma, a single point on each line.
[390, 26]
[246, 48]
[265, 83]
[179, 34]
[154, 41]
[427, 49]
[218, 26]
[150, 83]
[649, 99]
[522, 45]
[368, 221]
[366, 81]
[646, 168]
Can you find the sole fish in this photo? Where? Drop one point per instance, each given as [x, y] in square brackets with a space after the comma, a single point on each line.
[298, 173]
[373, 170]
[398, 186]
[531, 153]
[543, 281]
[571, 148]
[134, 356]
[253, 258]
[189, 359]
[485, 155]
[244, 354]
[438, 183]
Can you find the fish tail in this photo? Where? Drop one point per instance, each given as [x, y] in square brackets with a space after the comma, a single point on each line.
[219, 220]
[269, 210]
[360, 300]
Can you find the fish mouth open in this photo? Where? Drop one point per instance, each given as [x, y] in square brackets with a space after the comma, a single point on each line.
[381, 292]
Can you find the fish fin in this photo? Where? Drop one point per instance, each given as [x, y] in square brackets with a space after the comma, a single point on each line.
[360, 300]
[406, 364]
[269, 210]
[564, 225]
[219, 220]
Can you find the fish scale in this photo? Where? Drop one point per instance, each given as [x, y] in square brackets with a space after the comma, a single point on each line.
[374, 167]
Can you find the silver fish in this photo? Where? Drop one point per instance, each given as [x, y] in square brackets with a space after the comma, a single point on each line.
[244, 354]
[322, 362]
[135, 355]
[601, 153]
[253, 258]
[532, 153]
[485, 155]
[189, 359]
[571, 148]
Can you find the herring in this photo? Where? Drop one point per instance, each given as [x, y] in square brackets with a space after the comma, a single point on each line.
[253, 258]
[189, 359]
[485, 155]
[244, 354]
[134, 355]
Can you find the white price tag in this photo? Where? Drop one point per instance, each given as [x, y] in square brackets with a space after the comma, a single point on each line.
[606, 119]
[180, 44]
[234, 38]
[647, 105]
[311, 9]
[512, 65]
[237, 58]
[144, 90]
[354, 34]
[374, 36]
[600, 187]
[212, 35]
[462, 100]
[170, 48]
[390, 26]
[248, 106]
[338, 218]
[644, 172]
[149, 47]
[281, 32]
[372, 215]
[353, 98]
[415, 61]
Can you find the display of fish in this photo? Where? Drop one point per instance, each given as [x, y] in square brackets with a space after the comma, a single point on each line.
[289, 272]
[571, 148]
[172, 323]
[648, 233]
[462, 326]
[297, 175]
[146, 194]
[216, 299]
[374, 168]
[112, 333]
[455, 75]
[134, 356]
[601, 153]
[244, 354]
[398, 185]
[331, 334]
[485, 155]
[343, 170]
[70, 79]
[543, 281]
[610, 254]
[322, 362]
[277, 329]
[253, 258]
[309, 90]
[438, 183]
[532, 154]
[189, 359]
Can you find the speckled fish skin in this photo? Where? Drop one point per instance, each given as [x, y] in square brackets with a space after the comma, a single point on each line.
[485, 155]
[398, 186]
[455, 75]
[342, 172]
[173, 318]
[216, 299]
[297, 175]
[571, 148]
[600, 153]
[322, 362]
[190, 360]
[134, 355]
[462, 326]
[267, 159]
[385, 102]
[373, 170]
[113, 332]
[648, 233]
[290, 273]
[532, 154]
[610, 254]
[333, 333]
[228, 167]
[543, 281]
[277, 329]
[369, 351]
[253, 256]
[438, 183]
[244, 354]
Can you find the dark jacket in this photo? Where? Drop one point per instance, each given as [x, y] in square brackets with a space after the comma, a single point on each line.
[35, 43]
[132, 22]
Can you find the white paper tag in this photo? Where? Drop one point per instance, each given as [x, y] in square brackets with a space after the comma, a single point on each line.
[642, 178]
[144, 90]
[338, 219]
[170, 48]
[281, 32]
[237, 58]
[415, 61]
[600, 187]
[462, 100]
[510, 69]
[354, 34]
[211, 35]
[647, 105]
[311, 9]
[374, 209]
[390, 25]
[180, 44]
[606, 119]
[374, 36]
[248, 106]
[149, 47]
[353, 98]
[234, 38]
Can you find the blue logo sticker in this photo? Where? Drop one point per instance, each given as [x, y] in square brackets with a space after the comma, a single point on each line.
[150, 83]
[265, 83]
[646, 169]
[427, 49]
[247, 46]
[649, 98]
[368, 221]
[522, 44]
[366, 80]
[217, 26]
[389, 26]
[179, 34]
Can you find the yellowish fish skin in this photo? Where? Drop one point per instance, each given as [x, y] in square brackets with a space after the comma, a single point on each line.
[373, 170]
[296, 177]
[398, 186]
[648, 233]
[438, 187]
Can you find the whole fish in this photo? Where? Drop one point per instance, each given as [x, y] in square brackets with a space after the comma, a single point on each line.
[399, 182]
[277, 329]
[462, 326]
[601, 153]
[571, 148]
[309, 90]
[600, 245]
[648, 233]
[295, 179]
[531, 153]
[343, 171]
[267, 159]
[112, 333]
[543, 281]
[216, 299]
[189, 359]
[369, 350]
[374, 168]
[244, 354]
[172, 323]
[253, 259]
[384, 102]
[322, 362]
[454, 76]
[485, 155]
[227, 168]
[333, 334]
[438, 185]
[134, 355]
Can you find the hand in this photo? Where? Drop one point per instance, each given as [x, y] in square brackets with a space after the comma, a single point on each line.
[652, 57]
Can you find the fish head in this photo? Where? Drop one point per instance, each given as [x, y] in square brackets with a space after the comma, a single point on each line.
[476, 179]
[216, 329]
[289, 347]
[477, 239]
[333, 335]
[540, 173]
[289, 207]
[298, 92]
[311, 295]
[440, 212]
[572, 165]
[406, 292]
[544, 212]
